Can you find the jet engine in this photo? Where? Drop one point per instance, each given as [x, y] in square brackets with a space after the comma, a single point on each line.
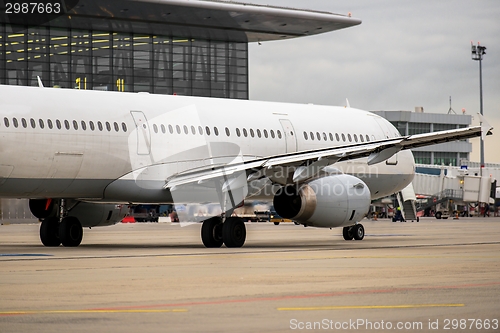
[327, 202]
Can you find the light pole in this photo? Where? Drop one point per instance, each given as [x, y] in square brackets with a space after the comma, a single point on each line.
[477, 54]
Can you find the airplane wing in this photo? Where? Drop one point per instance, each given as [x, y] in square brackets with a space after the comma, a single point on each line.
[309, 163]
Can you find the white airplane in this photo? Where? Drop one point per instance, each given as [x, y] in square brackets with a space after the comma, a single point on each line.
[81, 156]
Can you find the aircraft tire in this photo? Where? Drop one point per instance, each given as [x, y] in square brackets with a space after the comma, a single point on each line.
[234, 232]
[359, 232]
[211, 232]
[348, 233]
[49, 232]
[70, 232]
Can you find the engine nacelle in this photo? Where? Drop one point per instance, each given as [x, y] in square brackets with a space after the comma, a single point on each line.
[328, 202]
[98, 215]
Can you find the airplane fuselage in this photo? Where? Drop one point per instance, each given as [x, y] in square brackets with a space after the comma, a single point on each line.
[121, 147]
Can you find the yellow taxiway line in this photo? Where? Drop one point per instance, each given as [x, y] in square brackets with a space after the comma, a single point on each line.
[351, 307]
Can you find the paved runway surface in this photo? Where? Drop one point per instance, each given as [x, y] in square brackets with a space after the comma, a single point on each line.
[159, 278]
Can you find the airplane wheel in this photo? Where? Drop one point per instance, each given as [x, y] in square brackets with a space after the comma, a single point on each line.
[49, 232]
[359, 232]
[276, 223]
[234, 232]
[348, 233]
[211, 232]
[70, 231]
[438, 215]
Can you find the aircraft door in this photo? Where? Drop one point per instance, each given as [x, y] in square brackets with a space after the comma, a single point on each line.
[290, 135]
[393, 160]
[143, 133]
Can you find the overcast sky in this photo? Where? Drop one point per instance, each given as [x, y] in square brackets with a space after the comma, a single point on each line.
[404, 54]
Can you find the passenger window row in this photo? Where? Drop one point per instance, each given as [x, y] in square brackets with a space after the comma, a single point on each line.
[323, 136]
[60, 124]
[215, 131]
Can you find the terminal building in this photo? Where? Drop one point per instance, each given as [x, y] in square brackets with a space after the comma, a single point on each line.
[184, 47]
[451, 153]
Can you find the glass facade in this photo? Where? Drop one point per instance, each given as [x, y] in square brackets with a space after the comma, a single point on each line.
[418, 128]
[117, 61]
[422, 157]
[441, 158]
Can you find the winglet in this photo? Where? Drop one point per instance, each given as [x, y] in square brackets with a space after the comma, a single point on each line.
[485, 126]
[40, 84]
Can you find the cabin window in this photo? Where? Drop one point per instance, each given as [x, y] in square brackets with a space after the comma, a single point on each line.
[23, 121]
[200, 130]
[163, 129]
[84, 126]
[318, 136]
[108, 126]
[155, 128]
[252, 134]
[331, 136]
[367, 138]
[245, 133]
[361, 138]
[14, 121]
[216, 131]
[337, 136]
[324, 136]
[343, 137]
[75, 125]
[186, 131]
[91, 125]
[124, 127]
[117, 128]
[58, 124]
[170, 129]
[207, 130]
[355, 137]
[178, 129]
[67, 125]
[265, 134]
[32, 123]
[6, 121]
[99, 125]
[42, 125]
[228, 133]
[349, 137]
[305, 135]
[279, 134]
[238, 133]
[312, 135]
[272, 134]
[193, 130]
[49, 123]
[258, 133]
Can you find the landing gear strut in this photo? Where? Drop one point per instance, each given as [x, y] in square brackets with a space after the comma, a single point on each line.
[232, 232]
[356, 232]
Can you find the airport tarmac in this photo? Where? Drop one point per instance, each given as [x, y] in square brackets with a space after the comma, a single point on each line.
[414, 277]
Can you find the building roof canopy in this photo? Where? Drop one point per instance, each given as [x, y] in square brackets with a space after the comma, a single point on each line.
[220, 20]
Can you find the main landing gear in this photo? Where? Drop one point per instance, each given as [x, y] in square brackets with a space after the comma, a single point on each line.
[68, 232]
[232, 232]
[356, 232]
